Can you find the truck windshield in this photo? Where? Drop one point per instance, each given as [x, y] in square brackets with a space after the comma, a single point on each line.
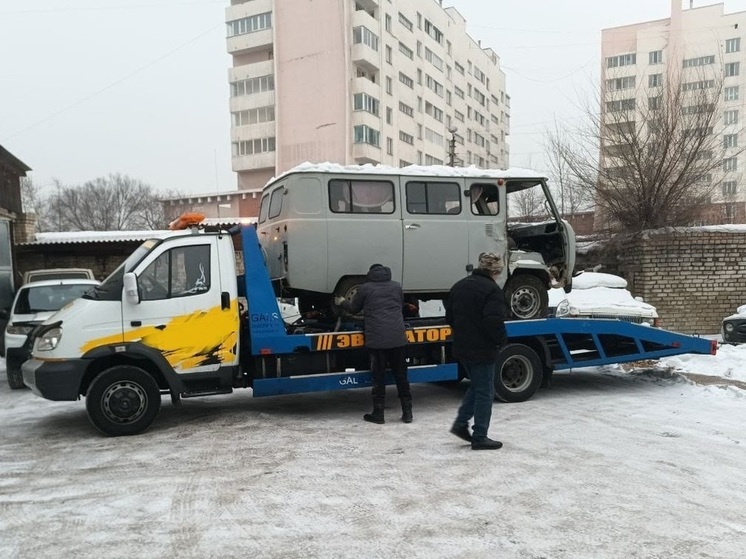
[111, 288]
[47, 298]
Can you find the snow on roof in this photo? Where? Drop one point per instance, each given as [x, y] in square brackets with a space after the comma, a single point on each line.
[411, 170]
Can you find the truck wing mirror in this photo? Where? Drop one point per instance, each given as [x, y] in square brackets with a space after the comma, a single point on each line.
[131, 291]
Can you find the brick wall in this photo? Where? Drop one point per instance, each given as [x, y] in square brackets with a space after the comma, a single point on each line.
[694, 277]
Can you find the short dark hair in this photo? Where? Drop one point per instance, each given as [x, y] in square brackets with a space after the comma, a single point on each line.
[375, 266]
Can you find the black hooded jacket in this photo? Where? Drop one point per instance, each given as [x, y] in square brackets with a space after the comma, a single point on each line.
[476, 310]
[382, 302]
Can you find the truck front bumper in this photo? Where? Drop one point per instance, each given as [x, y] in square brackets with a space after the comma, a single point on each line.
[54, 380]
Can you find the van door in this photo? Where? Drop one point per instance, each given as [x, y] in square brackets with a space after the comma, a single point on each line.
[435, 225]
[180, 312]
[488, 214]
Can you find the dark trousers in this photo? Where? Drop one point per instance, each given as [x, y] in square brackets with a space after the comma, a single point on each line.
[396, 358]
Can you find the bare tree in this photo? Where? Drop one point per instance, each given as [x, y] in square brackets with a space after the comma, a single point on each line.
[567, 189]
[113, 203]
[650, 154]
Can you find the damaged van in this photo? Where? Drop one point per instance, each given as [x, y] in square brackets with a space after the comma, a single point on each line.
[322, 226]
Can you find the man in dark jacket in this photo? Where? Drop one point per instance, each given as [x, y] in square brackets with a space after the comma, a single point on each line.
[382, 301]
[476, 311]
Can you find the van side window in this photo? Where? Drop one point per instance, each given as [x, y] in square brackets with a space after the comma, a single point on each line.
[484, 199]
[361, 196]
[264, 209]
[275, 202]
[179, 272]
[433, 197]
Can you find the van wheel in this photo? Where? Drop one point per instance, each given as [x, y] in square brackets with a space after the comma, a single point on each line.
[15, 378]
[518, 373]
[527, 297]
[347, 288]
[123, 400]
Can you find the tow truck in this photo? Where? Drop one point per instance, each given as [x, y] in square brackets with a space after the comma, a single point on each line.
[177, 318]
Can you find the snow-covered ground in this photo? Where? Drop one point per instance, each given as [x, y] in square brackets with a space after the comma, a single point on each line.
[605, 464]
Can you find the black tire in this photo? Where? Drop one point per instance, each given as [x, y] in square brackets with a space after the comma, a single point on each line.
[15, 378]
[347, 289]
[123, 400]
[527, 297]
[518, 373]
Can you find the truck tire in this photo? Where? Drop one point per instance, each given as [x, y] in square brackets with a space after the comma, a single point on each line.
[347, 289]
[123, 400]
[527, 297]
[15, 378]
[518, 373]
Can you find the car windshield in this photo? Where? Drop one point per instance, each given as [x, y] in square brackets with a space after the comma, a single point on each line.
[48, 298]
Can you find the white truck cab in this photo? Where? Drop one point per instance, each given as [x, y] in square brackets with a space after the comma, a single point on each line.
[322, 226]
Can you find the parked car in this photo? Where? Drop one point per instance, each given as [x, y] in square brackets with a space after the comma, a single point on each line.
[601, 295]
[733, 329]
[33, 304]
[58, 273]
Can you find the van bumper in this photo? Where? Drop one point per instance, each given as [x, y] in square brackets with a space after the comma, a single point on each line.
[54, 380]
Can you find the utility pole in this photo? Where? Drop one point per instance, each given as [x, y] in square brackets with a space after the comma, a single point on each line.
[452, 147]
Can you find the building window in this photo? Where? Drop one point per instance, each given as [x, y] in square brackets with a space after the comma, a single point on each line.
[364, 102]
[434, 137]
[434, 85]
[252, 86]
[433, 31]
[249, 24]
[621, 60]
[253, 116]
[459, 68]
[733, 45]
[620, 105]
[654, 103]
[364, 134]
[406, 80]
[406, 51]
[730, 117]
[387, 23]
[730, 187]
[458, 91]
[362, 34]
[251, 147]
[433, 111]
[731, 93]
[695, 86]
[388, 54]
[730, 164]
[406, 109]
[655, 57]
[699, 61]
[730, 140]
[390, 146]
[730, 213]
[433, 59]
[405, 22]
[406, 138]
[389, 115]
[655, 80]
[732, 69]
[432, 160]
[389, 85]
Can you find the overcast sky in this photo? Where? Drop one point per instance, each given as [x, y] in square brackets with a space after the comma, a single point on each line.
[91, 87]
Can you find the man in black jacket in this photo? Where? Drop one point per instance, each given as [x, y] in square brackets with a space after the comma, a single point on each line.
[382, 301]
[476, 311]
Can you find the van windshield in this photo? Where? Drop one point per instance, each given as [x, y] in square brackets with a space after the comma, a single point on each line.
[48, 298]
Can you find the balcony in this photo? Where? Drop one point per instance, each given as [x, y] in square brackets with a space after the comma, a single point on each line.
[364, 85]
[366, 153]
[239, 10]
[253, 162]
[250, 131]
[244, 102]
[250, 42]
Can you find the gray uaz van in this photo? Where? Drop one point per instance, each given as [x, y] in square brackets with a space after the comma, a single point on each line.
[322, 226]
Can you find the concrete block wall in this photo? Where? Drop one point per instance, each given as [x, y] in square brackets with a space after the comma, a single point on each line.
[694, 277]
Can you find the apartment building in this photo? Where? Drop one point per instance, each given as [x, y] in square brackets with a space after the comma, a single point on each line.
[393, 82]
[703, 48]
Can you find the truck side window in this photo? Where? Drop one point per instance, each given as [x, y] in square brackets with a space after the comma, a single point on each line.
[264, 209]
[275, 202]
[179, 272]
[433, 197]
[484, 199]
[361, 196]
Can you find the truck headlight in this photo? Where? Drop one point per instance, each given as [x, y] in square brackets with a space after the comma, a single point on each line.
[728, 327]
[19, 329]
[49, 339]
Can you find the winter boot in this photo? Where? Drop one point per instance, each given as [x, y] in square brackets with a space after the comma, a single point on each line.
[461, 431]
[485, 443]
[406, 410]
[377, 415]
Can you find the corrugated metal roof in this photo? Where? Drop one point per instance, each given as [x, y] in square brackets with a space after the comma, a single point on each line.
[78, 237]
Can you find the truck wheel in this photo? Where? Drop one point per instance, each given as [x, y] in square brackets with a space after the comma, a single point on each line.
[15, 378]
[123, 400]
[347, 288]
[527, 297]
[518, 373]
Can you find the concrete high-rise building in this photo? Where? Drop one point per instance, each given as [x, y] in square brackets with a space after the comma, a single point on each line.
[697, 48]
[360, 81]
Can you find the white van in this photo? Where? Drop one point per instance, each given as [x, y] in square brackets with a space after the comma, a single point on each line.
[322, 226]
[33, 304]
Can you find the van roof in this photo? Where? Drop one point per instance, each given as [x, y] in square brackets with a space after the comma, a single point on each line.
[413, 170]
